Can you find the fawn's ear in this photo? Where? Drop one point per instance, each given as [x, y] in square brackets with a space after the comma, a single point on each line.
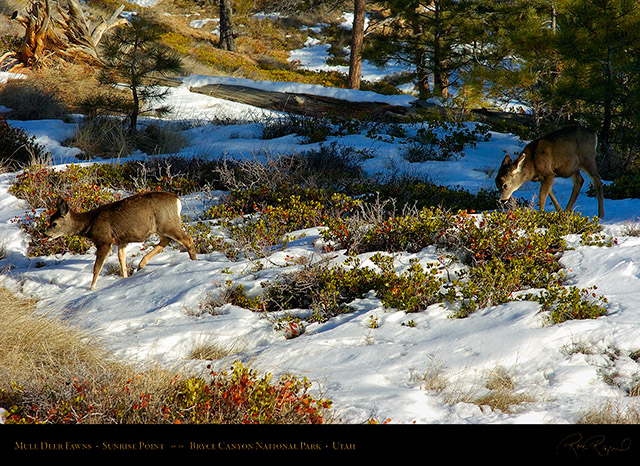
[507, 160]
[63, 207]
[520, 162]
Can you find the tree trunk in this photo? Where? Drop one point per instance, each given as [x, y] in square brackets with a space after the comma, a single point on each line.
[227, 36]
[135, 111]
[420, 62]
[607, 118]
[357, 38]
[440, 80]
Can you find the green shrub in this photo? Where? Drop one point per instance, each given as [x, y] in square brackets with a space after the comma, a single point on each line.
[227, 293]
[495, 282]
[17, 148]
[420, 193]
[258, 220]
[571, 303]
[444, 141]
[328, 291]
[499, 254]
[395, 233]
[505, 252]
[311, 130]
[625, 186]
[410, 291]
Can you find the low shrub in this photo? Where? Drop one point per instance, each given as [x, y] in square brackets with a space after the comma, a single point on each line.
[242, 396]
[500, 253]
[17, 148]
[411, 291]
[571, 303]
[226, 293]
[495, 282]
[407, 191]
[366, 233]
[327, 291]
[623, 187]
[311, 130]
[440, 141]
[258, 220]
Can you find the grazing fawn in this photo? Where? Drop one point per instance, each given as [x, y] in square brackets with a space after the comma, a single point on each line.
[119, 223]
[562, 153]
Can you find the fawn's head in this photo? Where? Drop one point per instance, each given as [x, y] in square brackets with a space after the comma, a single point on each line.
[510, 176]
[60, 223]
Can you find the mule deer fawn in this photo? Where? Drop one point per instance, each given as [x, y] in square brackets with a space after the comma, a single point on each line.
[562, 153]
[130, 220]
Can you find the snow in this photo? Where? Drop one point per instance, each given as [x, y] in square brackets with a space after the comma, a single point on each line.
[367, 372]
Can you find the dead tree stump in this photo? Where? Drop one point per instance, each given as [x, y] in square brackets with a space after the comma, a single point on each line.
[53, 31]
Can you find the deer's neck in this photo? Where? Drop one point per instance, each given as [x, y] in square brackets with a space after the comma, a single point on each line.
[82, 222]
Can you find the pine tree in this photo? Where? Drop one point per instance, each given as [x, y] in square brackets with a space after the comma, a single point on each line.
[522, 64]
[135, 59]
[441, 39]
[599, 43]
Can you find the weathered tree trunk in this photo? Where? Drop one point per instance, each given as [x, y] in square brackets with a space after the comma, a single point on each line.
[53, 32]
[357, 39]
[227, 35]
[420, 60]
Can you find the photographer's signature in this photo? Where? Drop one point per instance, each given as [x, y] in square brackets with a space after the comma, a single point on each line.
[594, 444]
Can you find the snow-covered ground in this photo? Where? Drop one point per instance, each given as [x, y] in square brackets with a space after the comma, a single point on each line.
[367, 372]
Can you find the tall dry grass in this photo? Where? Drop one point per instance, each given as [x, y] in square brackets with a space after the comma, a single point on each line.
[50, 373]
[49, 93]
[44, 362]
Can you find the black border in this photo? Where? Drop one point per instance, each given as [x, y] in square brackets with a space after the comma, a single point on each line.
[509, 442]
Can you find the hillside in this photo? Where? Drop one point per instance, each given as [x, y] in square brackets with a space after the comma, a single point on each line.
[504, 361]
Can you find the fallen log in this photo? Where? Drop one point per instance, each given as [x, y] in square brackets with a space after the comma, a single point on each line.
[305, 104]
[323, 106]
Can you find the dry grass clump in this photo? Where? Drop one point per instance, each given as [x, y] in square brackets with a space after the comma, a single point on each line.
[501, 395]
[631, 228]
[103, 137]
[611, 413]
[498, 393]
[48, 93]
[108, 137]
[434, 379]
[30, 99]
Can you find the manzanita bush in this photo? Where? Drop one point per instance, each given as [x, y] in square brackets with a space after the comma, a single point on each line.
[237, 396]
[499, 253]
[243, 396]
